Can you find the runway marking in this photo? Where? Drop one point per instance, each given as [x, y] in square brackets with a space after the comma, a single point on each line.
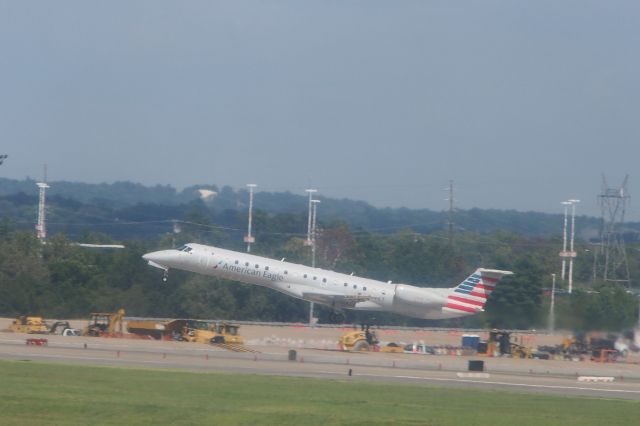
[487, 382]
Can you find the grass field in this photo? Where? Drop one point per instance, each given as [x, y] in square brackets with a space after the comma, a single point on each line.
[53, 394]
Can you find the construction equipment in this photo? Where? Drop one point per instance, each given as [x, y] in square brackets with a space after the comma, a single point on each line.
[37, 325]
[500, 344]
[105, 324]
[212, 332]
[59, 325]
[31, 325]
[392, 348]
[584, 346]
[358, 340]
[152, 329]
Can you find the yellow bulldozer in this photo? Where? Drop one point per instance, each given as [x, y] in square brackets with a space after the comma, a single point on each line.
[31, 325]
[37, 325]
[212, 332]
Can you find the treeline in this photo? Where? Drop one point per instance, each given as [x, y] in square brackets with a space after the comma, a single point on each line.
[62, 280]
[74, 208]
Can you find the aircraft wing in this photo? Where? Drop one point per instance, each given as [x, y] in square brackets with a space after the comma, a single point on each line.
[334, 299]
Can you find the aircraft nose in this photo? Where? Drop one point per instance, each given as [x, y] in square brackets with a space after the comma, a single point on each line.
[161, 258]
[149, 256]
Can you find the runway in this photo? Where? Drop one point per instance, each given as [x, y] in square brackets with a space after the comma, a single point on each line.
[513, 375]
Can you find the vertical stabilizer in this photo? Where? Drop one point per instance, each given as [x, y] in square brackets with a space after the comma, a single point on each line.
[470, 296]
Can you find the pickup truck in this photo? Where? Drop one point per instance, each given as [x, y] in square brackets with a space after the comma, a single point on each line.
[419, 348]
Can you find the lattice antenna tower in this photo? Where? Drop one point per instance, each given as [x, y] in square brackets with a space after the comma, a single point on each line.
[610, 262]
[41, 226]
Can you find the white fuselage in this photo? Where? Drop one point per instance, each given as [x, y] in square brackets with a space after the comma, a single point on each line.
[313, 284]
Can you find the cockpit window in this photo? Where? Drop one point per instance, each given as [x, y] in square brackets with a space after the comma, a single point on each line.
[185, 248]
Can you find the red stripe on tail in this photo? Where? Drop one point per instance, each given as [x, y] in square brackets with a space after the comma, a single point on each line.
[469, 301]
[460, 308]
[485, 287]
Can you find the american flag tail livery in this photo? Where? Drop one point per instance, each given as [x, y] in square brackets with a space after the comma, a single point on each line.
[469, 296]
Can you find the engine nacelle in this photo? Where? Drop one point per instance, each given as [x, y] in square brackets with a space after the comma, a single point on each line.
[411, 297]
[417, 302]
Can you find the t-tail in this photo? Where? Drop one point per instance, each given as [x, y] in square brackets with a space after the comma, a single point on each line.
[469, 297]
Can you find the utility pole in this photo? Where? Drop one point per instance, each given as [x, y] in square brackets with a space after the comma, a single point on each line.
[552, 307]
[249, 239]
[450, 199]
[41, 226]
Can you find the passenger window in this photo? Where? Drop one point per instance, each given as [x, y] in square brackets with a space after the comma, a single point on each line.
[246, 263]
[315, 278]
[286, 272]
[257, 266]
[236, 262]
[345, 284]
[266, 268]
[364, 289]
[324, 280]
[355, 286]
[305, 275]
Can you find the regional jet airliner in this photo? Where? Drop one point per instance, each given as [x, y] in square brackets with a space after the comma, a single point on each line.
[334, 289]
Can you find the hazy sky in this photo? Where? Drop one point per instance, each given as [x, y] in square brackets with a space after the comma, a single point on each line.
[521, 103]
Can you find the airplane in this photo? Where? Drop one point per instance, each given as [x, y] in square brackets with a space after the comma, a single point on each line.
[334, 289]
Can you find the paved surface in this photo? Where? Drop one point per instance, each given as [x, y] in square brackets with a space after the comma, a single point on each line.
[315, 357]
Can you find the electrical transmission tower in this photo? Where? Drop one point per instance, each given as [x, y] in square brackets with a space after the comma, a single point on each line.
[610, 260]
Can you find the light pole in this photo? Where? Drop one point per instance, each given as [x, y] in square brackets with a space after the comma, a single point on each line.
[314, 204]
[307, 242]
[552, 307]
[573, 232]
[566, 205]
[314, 209]
[249, 238]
